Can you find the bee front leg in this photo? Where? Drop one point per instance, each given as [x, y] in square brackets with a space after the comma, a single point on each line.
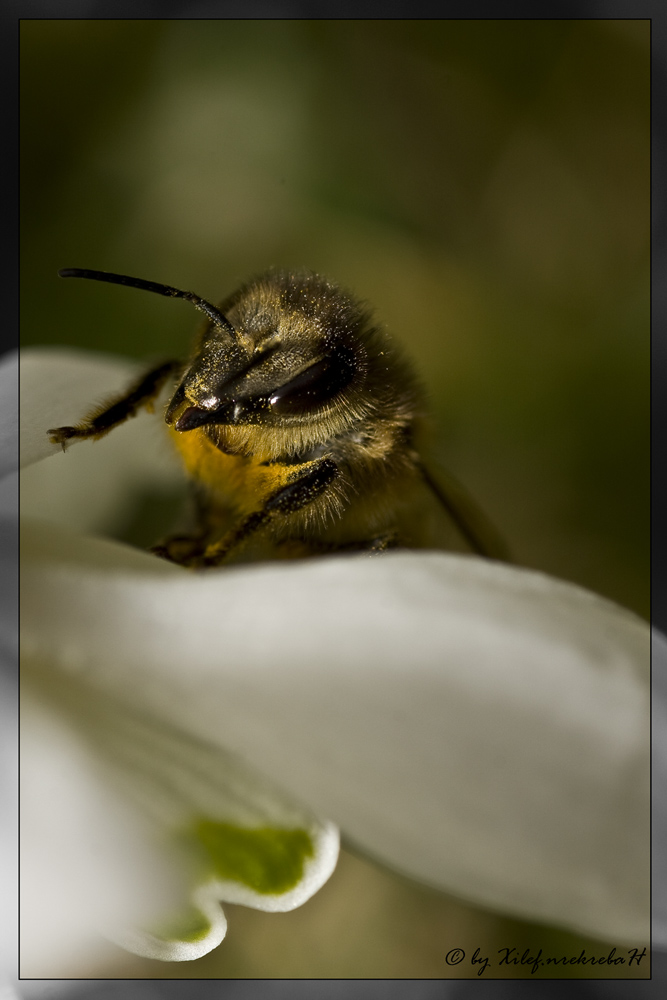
[110, 415]
[287, 500]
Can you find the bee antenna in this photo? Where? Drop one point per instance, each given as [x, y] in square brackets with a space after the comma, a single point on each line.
[153, 286]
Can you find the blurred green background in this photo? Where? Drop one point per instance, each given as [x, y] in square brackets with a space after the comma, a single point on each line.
[485, 186]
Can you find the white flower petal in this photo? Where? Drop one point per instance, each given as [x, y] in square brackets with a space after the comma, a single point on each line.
[82, 863]
[207, 816]
[478, 727]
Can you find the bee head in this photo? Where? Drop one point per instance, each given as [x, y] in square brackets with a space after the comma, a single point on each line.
[289, 352]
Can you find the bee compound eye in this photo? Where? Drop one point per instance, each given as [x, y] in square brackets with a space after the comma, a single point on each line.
[314, 387]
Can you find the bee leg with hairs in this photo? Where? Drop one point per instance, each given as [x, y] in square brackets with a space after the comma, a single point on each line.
[142, 392]
[287, 500]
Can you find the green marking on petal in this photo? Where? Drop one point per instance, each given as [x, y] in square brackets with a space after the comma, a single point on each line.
[190, 925]
[266, 859]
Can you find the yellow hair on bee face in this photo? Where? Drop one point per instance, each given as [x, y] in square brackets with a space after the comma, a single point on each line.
[239, 482]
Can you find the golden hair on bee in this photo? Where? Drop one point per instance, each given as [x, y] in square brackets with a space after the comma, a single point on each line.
[299, 423]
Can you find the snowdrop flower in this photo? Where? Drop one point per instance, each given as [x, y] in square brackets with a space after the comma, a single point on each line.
[192, 738]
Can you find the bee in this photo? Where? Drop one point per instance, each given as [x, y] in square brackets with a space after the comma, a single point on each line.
[298, 421]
